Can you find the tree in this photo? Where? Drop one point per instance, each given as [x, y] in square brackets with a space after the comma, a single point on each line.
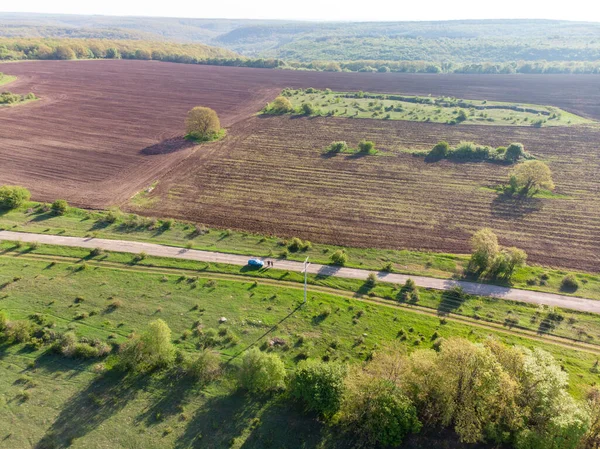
[379, 413]
[202, 123]
[281, 105]
[261, 373]
[319, 386]
[12, 197]
[60, 207]
[514, 152]
[152, 350]
[531, 176]
[485, 248]
[64, 52]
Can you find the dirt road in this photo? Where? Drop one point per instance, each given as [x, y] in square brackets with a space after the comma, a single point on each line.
[152, 249]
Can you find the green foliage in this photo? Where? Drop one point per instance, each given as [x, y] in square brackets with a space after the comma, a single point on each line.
[261, 373]
[438, 152]
[409, 291]
[202, 124]
[281, 105]
[339, 257]
[371, 281]
[337, 147]
[59, 207]
[149, 351]
[319, 386]
[204, 368]
[296, 244]
[485, 248]
[529, 177]
[514, 152]
[469, 151]
[308, 109]
[366, 146]
[12, 197]
[569, 283]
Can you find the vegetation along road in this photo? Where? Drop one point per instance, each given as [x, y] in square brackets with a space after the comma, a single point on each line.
[549, 299]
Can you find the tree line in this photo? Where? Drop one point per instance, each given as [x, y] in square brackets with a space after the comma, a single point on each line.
[16, 49]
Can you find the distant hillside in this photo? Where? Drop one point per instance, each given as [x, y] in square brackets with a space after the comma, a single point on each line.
[473, 41]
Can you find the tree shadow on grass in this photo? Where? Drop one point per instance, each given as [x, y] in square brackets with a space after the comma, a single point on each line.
[168, 146]
[451, 301]
[220, 421]
[89, 408]
[173, 390]
[284, 426]
[514, 207]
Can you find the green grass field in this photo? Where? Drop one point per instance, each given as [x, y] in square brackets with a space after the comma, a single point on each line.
[61, 402]
[430, 109]
[5, 79]
[78, 222]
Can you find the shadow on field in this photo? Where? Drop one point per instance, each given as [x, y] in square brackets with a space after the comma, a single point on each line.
[168, 146]
[504, 206]
[451, 301]
[89, 408]
[172, 392]
[220, 421]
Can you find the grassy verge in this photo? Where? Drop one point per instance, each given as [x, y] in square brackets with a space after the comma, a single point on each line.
[78, 222]
[5, 79]
[427, 109]
[63, 402]
[537, 322]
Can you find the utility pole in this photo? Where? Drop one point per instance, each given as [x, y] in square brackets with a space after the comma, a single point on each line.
[306, 263]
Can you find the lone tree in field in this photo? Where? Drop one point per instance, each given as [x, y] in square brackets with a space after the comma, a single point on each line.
[202, 124]
[485, 249]
[529, 177]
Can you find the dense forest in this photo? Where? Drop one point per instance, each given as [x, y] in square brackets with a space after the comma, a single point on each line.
[477, 46]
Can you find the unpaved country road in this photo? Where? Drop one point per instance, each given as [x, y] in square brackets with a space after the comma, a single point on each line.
[152, 249]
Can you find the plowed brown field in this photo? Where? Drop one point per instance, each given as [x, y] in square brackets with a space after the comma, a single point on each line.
[106, 129]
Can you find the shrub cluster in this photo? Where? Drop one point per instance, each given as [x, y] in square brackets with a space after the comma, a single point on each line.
[12, 197]
[469, 151]
[10, 98]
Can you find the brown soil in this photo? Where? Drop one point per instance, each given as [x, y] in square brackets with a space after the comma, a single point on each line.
[107, 129]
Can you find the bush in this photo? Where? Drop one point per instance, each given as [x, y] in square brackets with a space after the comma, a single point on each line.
[366, 146]
[371, 280]
[152, 350]
[409, 291]
[514, 152]
[281, 105]
[569, 283]
[261, 372]
[307, 109]
[339, 257]
[337, 147]
[60, 207]
[204, 368]
[96, 252]
[438, 152]
[319, 386]
[295, 245]
[12, 197]
[202, 123]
